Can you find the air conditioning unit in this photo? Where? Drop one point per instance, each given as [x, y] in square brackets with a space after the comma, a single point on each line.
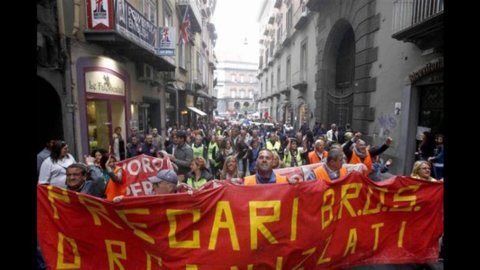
[145, 73]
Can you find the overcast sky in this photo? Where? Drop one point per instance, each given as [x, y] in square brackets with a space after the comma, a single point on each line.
[234, 21]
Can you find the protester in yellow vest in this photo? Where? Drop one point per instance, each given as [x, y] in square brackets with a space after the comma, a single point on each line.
[199, 175]
[199, 149]
[265, 174]
[292, 156]
[273, 143]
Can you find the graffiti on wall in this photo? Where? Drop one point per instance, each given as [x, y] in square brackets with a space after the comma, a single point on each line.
[387, 123]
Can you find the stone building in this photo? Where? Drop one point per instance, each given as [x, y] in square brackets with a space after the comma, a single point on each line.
[108, 64]
[377, 65]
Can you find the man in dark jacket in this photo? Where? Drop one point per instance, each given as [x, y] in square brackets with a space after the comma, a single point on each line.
[85, 179]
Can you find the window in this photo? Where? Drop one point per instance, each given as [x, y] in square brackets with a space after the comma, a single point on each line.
[289, 20]
[150, 10]
[303, 61]
[167, 14]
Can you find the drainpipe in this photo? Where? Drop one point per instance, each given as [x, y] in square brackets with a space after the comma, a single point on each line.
[67, 72]
[76, 17]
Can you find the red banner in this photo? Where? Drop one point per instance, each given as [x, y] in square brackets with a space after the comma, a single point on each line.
[138, 169]
[312, 225]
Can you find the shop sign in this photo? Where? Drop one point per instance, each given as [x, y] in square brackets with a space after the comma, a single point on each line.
[100, 82]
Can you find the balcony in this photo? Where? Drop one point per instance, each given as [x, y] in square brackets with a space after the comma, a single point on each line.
[286, 91]
[286, 37]
[136, 43]
[301, 16]
[300, 85]
[278, 50]
[419, 22]
[194, 12]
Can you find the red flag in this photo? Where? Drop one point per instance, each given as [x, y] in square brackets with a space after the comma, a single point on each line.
[185, 27]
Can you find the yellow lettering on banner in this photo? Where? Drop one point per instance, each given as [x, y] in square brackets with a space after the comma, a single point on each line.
[135, 225]
[61, 264]
[191, 267]
[346, 196]
[172, 222]
[53, 195]
[366, 210]
[113, 257]
[97, 209]
[257, 222]
[308, 253]
[278, 263]
[327, 207]
[401, 233]
[352, 242]
[249, 267]
[398, 198]
[149, 261]
[322, 258]
[376, 227]
[223, 207]
[293, 229]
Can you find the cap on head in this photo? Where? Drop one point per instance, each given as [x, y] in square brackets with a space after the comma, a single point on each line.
[164, 175]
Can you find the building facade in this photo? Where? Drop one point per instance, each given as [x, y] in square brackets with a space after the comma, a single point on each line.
[237, 86]
[377, 65]
[108, 64]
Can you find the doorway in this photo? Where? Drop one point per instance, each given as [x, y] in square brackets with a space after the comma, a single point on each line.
[103, 116]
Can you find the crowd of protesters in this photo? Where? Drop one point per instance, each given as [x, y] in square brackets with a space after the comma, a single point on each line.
[238, 153]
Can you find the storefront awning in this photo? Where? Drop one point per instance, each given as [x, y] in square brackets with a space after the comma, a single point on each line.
[197, 111]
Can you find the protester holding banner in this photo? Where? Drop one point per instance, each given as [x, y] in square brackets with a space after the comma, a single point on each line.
[199, 175]
[331, 170]
[87, 180]
[230, 169]
[421, 170]
[265, 174]
[54, 168]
